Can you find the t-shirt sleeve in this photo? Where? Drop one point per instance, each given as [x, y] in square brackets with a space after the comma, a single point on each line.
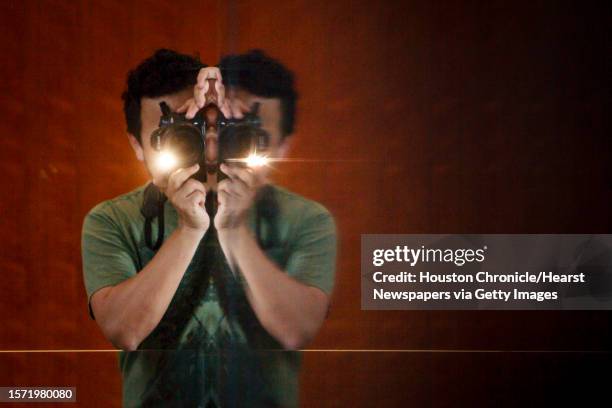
[107, 259]
[313, 257]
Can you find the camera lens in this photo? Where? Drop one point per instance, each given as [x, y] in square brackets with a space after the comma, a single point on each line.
[183, 140]
[237, 142]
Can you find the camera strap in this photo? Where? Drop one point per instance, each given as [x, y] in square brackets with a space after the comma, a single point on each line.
[266, 211]
[153, 207]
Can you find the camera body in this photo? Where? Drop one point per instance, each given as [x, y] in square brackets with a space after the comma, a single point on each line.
[184, 139]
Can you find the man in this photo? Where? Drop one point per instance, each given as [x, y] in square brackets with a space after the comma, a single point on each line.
[199, 319]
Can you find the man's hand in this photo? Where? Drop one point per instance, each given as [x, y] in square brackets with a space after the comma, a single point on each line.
[188, 196]
[236, 195]
[205, 94]
[129, 311]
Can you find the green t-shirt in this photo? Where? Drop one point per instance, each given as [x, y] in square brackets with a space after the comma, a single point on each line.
[209, 346]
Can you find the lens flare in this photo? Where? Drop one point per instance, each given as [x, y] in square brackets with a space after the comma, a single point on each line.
[166, 161]
[254, 160]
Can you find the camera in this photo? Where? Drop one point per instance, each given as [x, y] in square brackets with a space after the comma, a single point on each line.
[181, 142]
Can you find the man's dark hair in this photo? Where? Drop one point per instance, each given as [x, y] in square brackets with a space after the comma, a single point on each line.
[263, 76]
[164, 73]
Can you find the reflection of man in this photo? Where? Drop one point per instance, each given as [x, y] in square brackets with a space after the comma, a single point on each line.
[198, 317]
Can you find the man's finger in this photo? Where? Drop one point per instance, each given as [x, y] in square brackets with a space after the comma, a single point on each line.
[228, 170]
[183, 108]
[203, 85]
[225, 109]
[178, 177]
[226, 188]
[217, 72]
[220, 90]
[192, 110]
[199, 95]
[236, 106]
[202, 81]
[245, 175]
[208, 73]
[242, 105]
[198, 198]
[224, 200]
[237, 188]
[221, 198]
[190, 187]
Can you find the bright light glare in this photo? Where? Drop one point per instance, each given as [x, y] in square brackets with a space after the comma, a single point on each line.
[255, 160]
[166, 161]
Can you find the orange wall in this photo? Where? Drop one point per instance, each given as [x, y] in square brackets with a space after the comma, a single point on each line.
[461, 118]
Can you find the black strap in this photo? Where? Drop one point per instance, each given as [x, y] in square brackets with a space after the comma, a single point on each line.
[266, 210]
[153, 207]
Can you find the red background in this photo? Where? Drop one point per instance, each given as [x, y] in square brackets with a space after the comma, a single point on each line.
[456, 118]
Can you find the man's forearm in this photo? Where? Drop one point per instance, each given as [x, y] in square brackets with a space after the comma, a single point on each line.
[129, 311]
[289, 310]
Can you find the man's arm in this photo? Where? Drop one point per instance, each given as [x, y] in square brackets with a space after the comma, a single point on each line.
[291, 311]
[129, 311]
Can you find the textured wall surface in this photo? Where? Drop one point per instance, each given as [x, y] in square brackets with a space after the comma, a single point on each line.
[456, 118]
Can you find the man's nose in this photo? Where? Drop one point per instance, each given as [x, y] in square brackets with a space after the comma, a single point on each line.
[212, 145]
[211, 115]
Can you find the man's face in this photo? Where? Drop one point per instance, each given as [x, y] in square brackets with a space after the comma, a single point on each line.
[269, 113]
